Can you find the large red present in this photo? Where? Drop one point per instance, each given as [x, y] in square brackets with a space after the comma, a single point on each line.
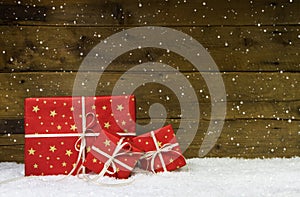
[59, 130]
[113, 156]
[162, 150]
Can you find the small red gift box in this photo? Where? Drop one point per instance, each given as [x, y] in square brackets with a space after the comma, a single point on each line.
[58, 129]
[112, 155]
[162, 150]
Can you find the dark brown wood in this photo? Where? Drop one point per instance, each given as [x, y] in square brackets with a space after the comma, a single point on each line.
[255, 45]
[244, 48]
[244, 90]
[149, 12]
[240, 138]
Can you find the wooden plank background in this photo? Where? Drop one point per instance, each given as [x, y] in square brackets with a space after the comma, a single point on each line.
[254, 43]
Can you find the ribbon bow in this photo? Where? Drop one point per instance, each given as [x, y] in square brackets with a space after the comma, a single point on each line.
[85, 128]
[153, 154]
[112, 159]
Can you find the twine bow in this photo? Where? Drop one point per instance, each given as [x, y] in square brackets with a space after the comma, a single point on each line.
[112, 159]
[158, 152]
[82, 139]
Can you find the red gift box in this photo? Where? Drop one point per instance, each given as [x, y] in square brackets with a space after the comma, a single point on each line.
[58, 129]
[162, 150]
[113, 156]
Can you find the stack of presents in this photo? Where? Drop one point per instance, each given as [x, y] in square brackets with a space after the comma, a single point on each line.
[93, 135]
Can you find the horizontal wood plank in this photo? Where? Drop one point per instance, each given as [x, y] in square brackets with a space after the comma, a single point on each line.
[232, 48]
[239, 138]
[243, 90]
[281, 111]
[253, 139]
[133, 12]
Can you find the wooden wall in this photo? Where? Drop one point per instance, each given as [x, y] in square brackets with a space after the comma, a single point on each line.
[254, 43]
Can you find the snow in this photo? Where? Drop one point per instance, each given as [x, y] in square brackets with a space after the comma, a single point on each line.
[202, 177]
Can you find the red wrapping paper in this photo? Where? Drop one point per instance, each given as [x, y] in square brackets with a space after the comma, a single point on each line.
[173, 158]
[53, 126]
[106, 142]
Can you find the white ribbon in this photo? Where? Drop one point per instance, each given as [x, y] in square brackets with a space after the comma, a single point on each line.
[85, 128]
[50, 135]
[153, 154]
[112, 158]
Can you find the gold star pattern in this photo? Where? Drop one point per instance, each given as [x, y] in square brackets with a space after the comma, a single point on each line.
[106, 143]
[35, 109]
[53, 113]
[64, 164]
[93, 106]
[171, 160]
[58, 127]
[159, 143]
[94, 160]
[52, 149]
[123, 122]
[69, 153]
[35, 166]
[107, 125]
[72, 108]
[104, 107]
[31, 151]
[88, 149]
[120, 107]
[73, 127]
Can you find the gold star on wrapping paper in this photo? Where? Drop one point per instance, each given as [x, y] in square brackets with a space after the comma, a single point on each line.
[123, 123]
[120, 107]
[53, 113]
[106, 143]
[104, 107]
[72, 108]
[35, 166]
[171, 160]
[107, 125]
[88, 149]
[68, 153]
[73, 127]
[52, 149]
[159, 143]
[35, 109]
[94, 160]
[31, 151]
[93, 106]
[64, 164]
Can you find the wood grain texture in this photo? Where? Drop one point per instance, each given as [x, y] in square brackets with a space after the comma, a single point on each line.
[274, 89]
[133, 13]
[255, 45]
[245, 48]
[239, 138]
